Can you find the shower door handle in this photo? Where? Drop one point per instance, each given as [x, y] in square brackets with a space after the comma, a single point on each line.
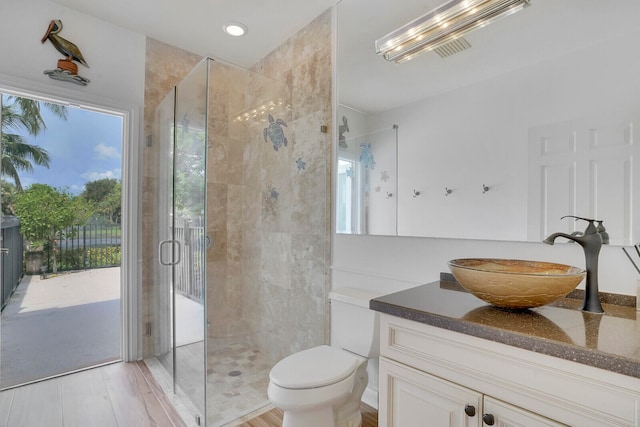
[174, 260]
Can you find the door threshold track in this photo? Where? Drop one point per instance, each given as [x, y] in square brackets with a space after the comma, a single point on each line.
[63, 374]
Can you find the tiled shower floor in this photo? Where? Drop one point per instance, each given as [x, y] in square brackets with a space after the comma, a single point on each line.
[238, 377]
[237, 380]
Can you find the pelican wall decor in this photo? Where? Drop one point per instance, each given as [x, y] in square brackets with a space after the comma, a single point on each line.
[67, 69]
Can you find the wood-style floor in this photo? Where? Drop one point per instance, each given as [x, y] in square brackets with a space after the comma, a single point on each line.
[273, 418]
[116, 395]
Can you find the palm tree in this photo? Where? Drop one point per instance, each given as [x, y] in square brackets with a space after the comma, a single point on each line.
[21, 115]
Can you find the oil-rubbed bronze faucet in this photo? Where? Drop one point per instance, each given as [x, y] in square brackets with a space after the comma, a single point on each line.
[591, 241]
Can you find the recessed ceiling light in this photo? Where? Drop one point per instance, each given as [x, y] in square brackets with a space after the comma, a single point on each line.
[235, 29]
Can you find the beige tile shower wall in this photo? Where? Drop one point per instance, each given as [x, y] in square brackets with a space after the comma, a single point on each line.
[286, 276]
[166, 66]
[267, 274]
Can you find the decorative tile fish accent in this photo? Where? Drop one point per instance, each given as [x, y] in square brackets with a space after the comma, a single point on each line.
[301, 164]
[366, 156]
[275, 133]
[273, 193]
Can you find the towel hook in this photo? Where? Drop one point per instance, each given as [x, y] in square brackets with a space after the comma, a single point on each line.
[484, 188]
[447, 191]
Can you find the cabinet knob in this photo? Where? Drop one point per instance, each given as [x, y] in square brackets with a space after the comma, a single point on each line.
[488, 419]
[470, 410]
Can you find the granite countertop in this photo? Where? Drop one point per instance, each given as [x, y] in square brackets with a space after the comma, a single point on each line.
[609, 341]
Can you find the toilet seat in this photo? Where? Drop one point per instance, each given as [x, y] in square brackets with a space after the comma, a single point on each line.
[313, 368]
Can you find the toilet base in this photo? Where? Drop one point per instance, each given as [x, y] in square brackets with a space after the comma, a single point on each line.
[319, 418]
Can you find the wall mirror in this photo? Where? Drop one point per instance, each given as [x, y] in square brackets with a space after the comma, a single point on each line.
[531, 118]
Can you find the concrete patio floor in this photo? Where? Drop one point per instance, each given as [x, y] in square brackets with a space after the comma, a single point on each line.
[60, 324]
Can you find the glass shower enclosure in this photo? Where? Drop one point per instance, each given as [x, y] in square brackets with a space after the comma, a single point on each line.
[213, 128]
[179, 311]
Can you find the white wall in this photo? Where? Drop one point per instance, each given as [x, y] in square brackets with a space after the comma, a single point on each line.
[116, 56]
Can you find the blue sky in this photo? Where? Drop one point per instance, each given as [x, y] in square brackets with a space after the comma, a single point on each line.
[85, 147]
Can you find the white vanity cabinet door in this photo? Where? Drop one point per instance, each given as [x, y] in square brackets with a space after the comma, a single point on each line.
[411, 398]
[551, 388]
[506, 415]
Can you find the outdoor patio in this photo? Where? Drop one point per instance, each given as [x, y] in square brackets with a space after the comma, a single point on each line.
[60, 324]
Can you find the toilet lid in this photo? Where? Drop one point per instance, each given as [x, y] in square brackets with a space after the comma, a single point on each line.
[316, 367]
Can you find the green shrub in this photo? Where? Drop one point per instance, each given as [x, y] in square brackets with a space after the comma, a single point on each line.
[104, 257]
[73, 259]
[70, 259]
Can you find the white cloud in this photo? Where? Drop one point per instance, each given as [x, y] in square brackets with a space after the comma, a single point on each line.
[93, 176]
[106, 152]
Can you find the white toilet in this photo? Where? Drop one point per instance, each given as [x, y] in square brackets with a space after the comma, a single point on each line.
[322, 386]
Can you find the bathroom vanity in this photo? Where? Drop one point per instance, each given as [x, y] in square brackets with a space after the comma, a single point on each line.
[449, 359]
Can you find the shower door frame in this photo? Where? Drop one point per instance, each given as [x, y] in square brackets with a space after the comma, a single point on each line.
[168, 216]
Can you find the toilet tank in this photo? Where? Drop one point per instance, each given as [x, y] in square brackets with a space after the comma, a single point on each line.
[354, 327]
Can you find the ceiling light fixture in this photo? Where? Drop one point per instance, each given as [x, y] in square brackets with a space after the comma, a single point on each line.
[443, 25]
[235, 29]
